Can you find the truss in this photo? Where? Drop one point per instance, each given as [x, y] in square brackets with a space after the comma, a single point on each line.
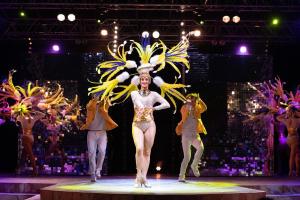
[132, 19]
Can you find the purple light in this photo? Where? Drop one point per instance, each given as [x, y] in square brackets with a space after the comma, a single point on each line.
[243, 49]
[282, 139]
[55, 48]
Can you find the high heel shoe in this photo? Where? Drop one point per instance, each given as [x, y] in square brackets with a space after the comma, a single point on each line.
[138, 182]
[145, 183]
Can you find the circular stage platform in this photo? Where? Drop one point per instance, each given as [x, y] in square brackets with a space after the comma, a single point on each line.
[170, 189]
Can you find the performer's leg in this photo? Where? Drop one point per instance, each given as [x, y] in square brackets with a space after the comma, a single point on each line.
[198, 144]
[293, 149]
[148, 143]
[138, 138]
[186, 148]
[102, 143]
[92, 148]
[27, 145]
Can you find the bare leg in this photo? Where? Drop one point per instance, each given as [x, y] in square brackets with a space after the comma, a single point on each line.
[138, 138]
[27, 144]
[292, 158]
[148, 143]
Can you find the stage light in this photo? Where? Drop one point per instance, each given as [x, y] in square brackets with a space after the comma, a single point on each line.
[100, 18]
[115, 41]
[236, 19]
[115, 46]
[116, 27]
[275, 21]
[104, 32]
[155, 34]
[158, 168]
[61, 17]
[115, 32]
[181, 23]
[55, 48]
[22, 14]
[115, 37]
[183, 32]
[243, 49]
[199, 19]
[197, 33]
[226, 19]
[145, 34]
[71, 17]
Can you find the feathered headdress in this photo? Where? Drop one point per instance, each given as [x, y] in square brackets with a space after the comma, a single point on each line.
[113, 72]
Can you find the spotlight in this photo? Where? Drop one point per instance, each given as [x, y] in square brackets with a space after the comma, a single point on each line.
[236, 19]
[181, 23]
[55, 48]
[158, 168]
[116, 27]
[100, 18]
[104, 32]
[145, 34]
[61, 17]
[275, 21]
[183, 32]
[197, 33]
[243, 50]
[226, 19]
[155, 34]
[115, 41]
[199, 19]
[22, 13]
[71, 17]
[115, 37]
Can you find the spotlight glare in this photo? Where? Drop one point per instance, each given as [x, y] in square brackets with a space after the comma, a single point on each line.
[115, 37]
[22, 14]
[183, 32]
[145, 34]
[155, 34]
[55, 48]
[116, 27]
[115, 45]
[243, 50]
[71, 17]
[275, 21]
[226, 19]
[115, 41]
[104, 32]
[158, 168]
[98, 21]
[236, 19]
[181, 23]
[197, 33]
[61, 17]
[116, 32]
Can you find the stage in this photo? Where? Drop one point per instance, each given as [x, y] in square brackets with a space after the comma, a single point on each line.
[121, 187]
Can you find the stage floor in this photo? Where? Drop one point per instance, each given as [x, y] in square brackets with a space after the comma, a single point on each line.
[121, 187]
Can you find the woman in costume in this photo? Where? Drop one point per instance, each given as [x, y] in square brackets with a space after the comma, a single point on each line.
[143, 126]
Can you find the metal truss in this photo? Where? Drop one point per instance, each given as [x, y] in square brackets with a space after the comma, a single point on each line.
[133, 18]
